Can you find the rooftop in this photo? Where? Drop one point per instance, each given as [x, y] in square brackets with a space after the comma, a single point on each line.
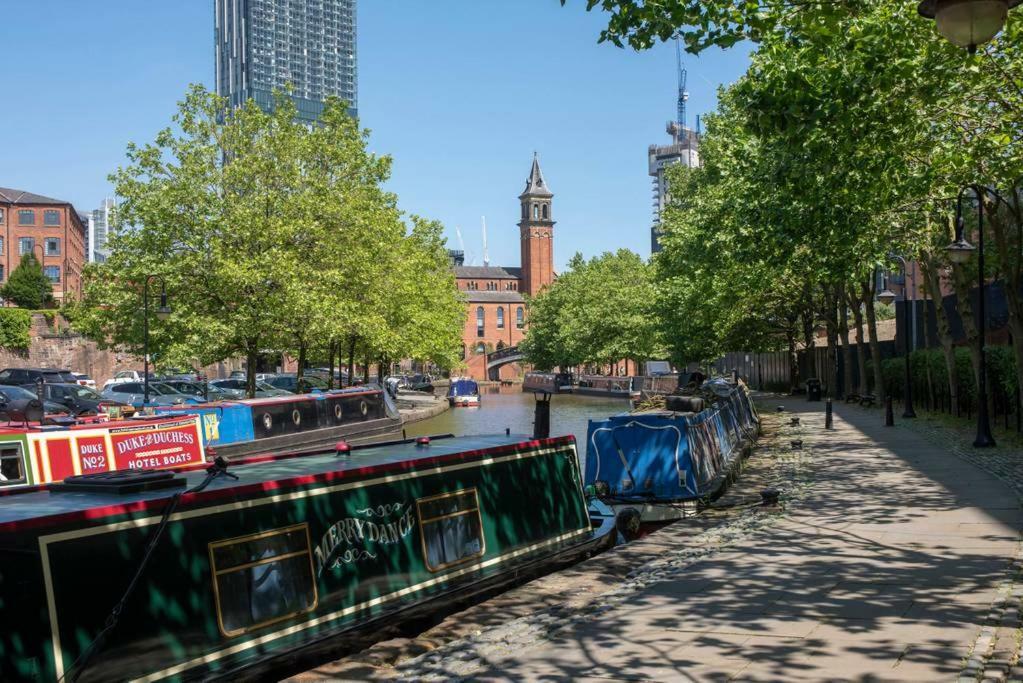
[488, 273]
[478, 297]
[22, 197]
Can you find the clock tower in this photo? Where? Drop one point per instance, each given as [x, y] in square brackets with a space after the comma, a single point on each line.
[536, 232]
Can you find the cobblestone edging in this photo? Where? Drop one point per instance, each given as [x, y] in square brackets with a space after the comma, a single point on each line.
[995, 655]
[469, 656]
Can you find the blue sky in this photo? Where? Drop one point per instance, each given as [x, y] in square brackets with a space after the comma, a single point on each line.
[459, 92]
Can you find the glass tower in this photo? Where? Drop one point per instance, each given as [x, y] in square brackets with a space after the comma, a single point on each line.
[309, 45]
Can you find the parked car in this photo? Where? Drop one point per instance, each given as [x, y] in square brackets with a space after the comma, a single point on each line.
[159, 394]
[19, 399]
[126, 376]
[237, 374]
[197, 389]
[84, 380]
[417, 383]
[262, 388]
[21, 376]
[289, 381]
[81, 400]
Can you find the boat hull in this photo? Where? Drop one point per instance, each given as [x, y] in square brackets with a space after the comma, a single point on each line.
[464, 401]
[250, 571]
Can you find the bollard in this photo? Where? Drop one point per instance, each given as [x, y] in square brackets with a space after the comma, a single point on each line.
[827, 414]
[794, 421]
[889, 416]
[542, 415]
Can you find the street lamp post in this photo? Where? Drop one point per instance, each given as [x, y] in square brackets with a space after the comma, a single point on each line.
[887, 297]
[161, 312]
[960, 251]
[967, 23]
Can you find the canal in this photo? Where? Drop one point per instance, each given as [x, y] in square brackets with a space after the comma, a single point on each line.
[508, 407]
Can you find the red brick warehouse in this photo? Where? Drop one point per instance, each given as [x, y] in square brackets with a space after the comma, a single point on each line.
[49, 228]
[496, 308]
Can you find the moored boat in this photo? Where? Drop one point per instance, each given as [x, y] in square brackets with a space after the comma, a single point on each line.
[463, 392]
[194, 574]
[662, 464]
[600, 385]
[550, 382]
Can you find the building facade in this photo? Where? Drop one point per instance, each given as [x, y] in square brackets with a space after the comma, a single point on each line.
[494, 294]
[52, 230]
[306, 45]
[684, 149]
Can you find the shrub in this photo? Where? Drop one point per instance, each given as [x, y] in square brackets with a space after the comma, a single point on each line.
[15, 328]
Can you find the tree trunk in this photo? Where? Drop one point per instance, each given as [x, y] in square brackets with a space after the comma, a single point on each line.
[1008, 255]
[352, 341]
[251, 353]
[868, 288]
[843, 332]
[856, 304]
[330, 362]
[932, 284]
[365, 369]
[793, 361]
[380, 370]
[300, 370]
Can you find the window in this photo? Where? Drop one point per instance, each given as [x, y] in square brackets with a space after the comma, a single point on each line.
[262, 579]
[545, 212]
[481, 348]
[26, 217]
[479, 321]
[1, 215]
[472, 285]
[500, 317]
[1, 246]
[51, 217]
[1, 273]
[520, 318]
[451, 529]
[25, 245]
[52, 273]
[53, 246]
[12, 465]
[536, 211]
[525, 212]
[491, 286]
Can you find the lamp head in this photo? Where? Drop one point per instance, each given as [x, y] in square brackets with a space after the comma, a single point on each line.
[960, 251]
[886, 297]
[967, 23]
[163, 311]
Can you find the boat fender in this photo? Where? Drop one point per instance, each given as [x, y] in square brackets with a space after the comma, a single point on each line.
[627, 523]
[423, 441]
[342, 448]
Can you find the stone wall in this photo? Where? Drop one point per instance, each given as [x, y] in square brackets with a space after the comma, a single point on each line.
[56, 347]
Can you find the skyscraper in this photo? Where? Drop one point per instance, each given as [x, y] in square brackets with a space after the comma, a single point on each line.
[684, 149]
[100, 224]
[309, 45]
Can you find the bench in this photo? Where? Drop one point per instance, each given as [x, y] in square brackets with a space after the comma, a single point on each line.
[867, 400]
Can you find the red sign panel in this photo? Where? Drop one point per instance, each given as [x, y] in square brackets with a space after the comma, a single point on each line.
[157, 446]
[92, 454]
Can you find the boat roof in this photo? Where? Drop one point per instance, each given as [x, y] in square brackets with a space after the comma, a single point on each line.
[26, 508]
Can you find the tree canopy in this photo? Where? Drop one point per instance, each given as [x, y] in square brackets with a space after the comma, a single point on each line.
[27, 286]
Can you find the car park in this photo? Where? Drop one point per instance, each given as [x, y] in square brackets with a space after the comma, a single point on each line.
[81, 400]
[290, 382]
[84, 380]
[126, 376]
[262, 388]
[211, 392]
[159, 394]
[21, 376]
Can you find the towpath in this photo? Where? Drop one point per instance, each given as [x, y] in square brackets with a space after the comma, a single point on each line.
[892, 559]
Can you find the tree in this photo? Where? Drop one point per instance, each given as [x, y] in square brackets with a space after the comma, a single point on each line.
[28, 286]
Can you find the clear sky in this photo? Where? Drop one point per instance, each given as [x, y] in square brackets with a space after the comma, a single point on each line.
[459, 92]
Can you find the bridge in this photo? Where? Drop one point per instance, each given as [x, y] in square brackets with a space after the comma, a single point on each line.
[509, 354]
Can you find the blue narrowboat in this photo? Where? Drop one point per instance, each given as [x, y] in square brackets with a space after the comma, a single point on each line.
[664, 463]
[463, 392]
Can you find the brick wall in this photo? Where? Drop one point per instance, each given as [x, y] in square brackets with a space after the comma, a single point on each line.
[69, 256]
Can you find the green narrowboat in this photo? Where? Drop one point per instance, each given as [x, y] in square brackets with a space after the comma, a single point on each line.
[279, 556]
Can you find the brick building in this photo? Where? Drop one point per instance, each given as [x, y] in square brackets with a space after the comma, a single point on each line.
[49, 228]
[496, 307]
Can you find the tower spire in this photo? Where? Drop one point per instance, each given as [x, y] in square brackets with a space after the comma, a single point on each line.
[535, 184]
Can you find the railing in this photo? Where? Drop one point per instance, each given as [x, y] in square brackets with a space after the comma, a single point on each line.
[502, 354]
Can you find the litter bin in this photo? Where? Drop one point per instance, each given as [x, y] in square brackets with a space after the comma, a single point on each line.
[813, 389]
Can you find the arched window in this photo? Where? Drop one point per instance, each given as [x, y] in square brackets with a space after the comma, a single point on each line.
[536, 211]
[520, 318]
[545, 212]
[500, 317]
[481, 348]
[479, 321]
[525, 212]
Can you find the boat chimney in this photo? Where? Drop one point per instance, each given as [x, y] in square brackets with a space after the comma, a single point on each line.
[342, 447]
[542, 415]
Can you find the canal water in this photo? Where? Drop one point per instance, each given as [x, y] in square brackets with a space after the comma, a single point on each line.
[508, 407]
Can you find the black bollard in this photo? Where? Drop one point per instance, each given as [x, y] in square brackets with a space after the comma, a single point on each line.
[542, 415]
[827, 414]
[889, 416]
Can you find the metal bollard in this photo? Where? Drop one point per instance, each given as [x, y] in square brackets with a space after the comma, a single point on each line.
[827, 414]
[542, 415]
[889, 416]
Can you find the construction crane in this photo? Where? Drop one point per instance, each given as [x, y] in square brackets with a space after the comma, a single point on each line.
[682, 94]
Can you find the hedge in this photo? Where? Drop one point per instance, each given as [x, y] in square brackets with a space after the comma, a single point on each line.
[15, 328]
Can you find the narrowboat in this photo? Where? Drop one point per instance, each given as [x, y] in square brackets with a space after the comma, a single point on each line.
[550, 382]
[663, 464]
[221, 572]
[32, 455]
[599, 385]
[463, 392]
[235, 429]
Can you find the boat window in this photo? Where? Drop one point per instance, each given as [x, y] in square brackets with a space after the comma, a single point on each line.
[12, 465]
[262, 578]
[451, 529]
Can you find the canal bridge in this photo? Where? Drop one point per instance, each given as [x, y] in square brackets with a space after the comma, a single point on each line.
[509, 354]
